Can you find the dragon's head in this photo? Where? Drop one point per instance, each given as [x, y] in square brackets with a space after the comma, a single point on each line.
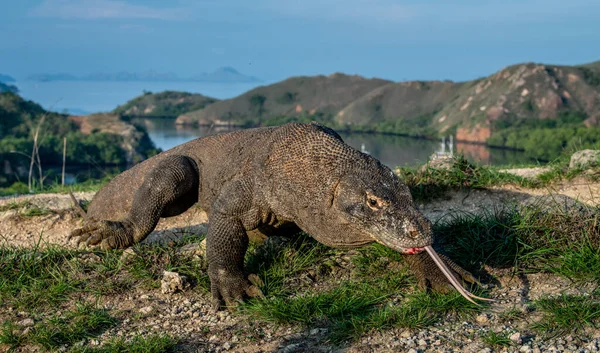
[379, 207]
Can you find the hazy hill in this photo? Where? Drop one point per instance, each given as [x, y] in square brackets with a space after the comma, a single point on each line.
[221, 75]
[167, 104]
[224, 75]
[6, 78]
[296, 96]
[52, 77]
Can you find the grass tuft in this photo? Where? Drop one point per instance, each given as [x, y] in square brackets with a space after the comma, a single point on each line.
[432, 183]
[86, 321]
[138, 344]
[496, 340]
[567, 314]
[54, 331]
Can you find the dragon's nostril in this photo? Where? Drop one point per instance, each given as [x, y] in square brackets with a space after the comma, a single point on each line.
[414, 233]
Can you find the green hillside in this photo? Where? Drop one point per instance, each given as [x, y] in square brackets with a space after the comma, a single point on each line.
[100, 139]
[167, 104]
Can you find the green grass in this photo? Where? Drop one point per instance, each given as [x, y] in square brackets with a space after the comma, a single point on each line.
[432, 183]
[152, 260]
[511, 315]
[496, 340]
[20, 188]
[276, 262]
[89, 185]
[83, 322]
[38, 281]
[567, 314]
[41, 278]
[530, 239]
[151, 344]
[379, 296]
[26, 208]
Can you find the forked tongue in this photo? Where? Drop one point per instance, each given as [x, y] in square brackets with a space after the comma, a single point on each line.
[440, 263]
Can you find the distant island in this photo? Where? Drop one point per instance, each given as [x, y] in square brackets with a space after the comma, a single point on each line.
[221, 75]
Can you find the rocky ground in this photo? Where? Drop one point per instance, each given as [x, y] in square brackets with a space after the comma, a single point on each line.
[186, 314]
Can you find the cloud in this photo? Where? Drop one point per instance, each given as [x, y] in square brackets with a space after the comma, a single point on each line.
[103, 9]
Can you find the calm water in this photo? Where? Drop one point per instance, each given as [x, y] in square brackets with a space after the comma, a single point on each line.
[84, 97]
[389, 149]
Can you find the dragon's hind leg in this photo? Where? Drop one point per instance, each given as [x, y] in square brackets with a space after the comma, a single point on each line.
[168, 189]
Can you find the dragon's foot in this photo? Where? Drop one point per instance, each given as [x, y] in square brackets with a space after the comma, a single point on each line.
[231, 287]
[107, 234]
[429, 275]
[434, 279]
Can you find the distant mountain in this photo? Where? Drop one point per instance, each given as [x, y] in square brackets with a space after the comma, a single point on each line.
[296, 96]
[221, 75]
[167, 104]
[52, 77]
[6, 78]
[131, 76]
[224, 75]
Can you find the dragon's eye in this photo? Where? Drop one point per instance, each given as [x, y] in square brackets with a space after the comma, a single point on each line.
[376, 203]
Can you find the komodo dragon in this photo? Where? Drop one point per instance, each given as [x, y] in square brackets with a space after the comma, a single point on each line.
[287, 178]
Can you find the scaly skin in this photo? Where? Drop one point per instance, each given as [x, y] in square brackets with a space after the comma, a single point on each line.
[265, 180]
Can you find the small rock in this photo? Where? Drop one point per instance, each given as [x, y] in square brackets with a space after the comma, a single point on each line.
[173, 282]
[584, 159]
[525, 349]
[482, 319]
[146, 310]
[127, 255]
[412, 350]
[26, 323]
[90, 258]
[227, 346]
[314, 331]
[515, 337]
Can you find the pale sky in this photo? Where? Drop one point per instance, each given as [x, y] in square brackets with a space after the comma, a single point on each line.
[275, 39]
